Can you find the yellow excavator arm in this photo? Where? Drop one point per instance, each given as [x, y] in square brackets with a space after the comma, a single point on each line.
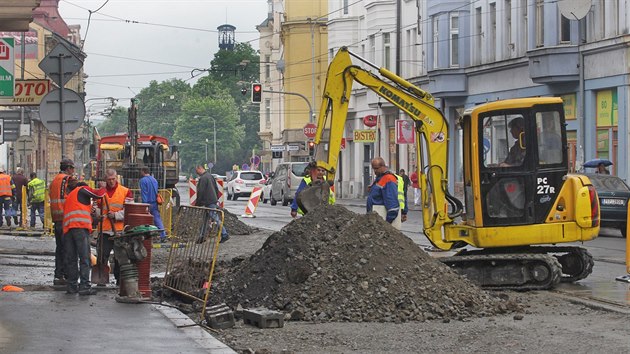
[430, 124]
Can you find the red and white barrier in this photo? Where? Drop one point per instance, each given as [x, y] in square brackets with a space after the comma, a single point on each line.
[192, 191]
[252, 203]
[221, 196]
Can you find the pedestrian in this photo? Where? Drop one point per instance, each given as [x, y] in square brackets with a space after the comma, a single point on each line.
[312, 174]
[7, 188]
[77, 225]
[416, 186]
[20, 181]
[111, 209]
[207, 196]
[36, 193]
[148, 194]
[383, 194]
[601, 168]
[57, 195]
[406, 183]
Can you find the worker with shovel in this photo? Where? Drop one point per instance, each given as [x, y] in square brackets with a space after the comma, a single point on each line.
[111, 208]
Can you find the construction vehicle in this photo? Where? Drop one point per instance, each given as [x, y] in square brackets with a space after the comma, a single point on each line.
[128, 153]
[514, 215]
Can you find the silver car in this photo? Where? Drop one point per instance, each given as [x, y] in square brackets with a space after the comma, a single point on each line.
[242, 183]
[286, 180]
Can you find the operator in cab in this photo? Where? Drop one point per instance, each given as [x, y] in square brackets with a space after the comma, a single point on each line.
[383, 194]
[516, 156]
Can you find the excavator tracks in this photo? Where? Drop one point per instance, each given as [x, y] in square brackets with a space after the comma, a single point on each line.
[522, 268]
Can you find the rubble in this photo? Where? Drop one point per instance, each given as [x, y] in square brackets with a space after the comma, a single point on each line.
[335, 265]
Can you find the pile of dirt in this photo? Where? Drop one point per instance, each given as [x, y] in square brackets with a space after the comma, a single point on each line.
[335, 265]
[234, 226]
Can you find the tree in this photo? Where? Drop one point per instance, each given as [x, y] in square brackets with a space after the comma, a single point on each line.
[160, 105]
[116, 122]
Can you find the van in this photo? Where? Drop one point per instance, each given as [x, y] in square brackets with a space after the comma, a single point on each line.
[286, 180]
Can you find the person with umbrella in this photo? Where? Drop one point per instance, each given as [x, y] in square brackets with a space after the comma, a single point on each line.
[601, 168]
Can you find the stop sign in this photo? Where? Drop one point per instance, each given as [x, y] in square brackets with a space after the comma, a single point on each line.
[309, 130]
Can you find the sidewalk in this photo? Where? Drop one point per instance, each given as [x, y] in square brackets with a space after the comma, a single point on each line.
[44, 320]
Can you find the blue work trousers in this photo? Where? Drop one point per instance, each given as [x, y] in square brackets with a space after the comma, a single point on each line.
[37, 207]
[157, 218]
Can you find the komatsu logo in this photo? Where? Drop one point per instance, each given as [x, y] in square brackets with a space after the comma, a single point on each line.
[408, 106]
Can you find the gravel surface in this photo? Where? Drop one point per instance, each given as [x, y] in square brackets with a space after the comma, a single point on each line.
[286, 269]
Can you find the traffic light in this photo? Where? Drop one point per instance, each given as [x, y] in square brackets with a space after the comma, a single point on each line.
[311, 148]
[256, 93]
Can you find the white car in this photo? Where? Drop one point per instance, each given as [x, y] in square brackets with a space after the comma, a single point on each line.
[266, 192]
[242, 183]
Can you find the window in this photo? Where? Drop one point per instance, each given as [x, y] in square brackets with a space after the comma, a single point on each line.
[549, 138]
[523, 45]
[540, 23]
[267, 67]
[565, 29]
[493, 33]
[478, 36]
[454, 40]
[436, 38]
[503, 140]
[372, 47]
[509, 42]
[268, 113]
[386, 51]
[345, 7]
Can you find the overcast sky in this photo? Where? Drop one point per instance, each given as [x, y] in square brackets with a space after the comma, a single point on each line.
[172, 38]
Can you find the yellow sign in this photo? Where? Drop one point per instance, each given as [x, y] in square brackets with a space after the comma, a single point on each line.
[364, 136]
[27, 93]
[569, 106]
[607, 108]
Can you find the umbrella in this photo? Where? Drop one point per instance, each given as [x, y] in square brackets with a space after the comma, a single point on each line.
[595, 162]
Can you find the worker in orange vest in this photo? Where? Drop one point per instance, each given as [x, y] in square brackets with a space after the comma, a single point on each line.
[57, 194]
[117, 195]
[77, 225]
[6, 194]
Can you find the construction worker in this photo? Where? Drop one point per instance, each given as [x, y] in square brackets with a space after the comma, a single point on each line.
[19, 181]
[36, 194]
[6, 195]
[57, 195]
[148, 192]
[312, 174]
[77, 225]
[383, 194]
[207, 196]
[111, 208]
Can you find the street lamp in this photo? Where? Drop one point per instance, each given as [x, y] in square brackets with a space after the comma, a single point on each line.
[214, 129]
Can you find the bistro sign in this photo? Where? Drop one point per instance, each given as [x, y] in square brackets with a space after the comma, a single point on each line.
[364, 135]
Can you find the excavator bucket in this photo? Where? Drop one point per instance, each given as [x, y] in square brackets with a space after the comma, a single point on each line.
[313, 196]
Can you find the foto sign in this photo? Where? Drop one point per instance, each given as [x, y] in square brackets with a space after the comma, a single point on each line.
[27, 93]
[7, 67]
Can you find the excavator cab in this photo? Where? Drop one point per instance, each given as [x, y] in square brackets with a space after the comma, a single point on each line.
[515, 160]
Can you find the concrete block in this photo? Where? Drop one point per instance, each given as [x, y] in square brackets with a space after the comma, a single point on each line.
[219, 316]
[263, 318]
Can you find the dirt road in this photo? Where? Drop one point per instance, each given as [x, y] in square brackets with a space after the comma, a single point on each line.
[545, 322]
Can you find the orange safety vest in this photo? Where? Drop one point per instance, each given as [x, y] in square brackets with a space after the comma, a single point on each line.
[57, 186]
[5, 186]
[116, 203]
[75, 214]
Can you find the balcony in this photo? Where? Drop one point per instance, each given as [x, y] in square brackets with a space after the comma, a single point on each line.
[554, 64]
[448, 82]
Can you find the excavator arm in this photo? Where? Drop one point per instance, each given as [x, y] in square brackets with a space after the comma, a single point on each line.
[430, 124]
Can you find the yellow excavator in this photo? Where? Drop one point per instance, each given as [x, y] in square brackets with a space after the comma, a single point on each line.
[520, 200]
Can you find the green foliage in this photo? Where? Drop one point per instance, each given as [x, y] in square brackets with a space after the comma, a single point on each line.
[116, 122]
[167, 109]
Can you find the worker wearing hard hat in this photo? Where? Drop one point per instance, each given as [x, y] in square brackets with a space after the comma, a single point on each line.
[313, 173]
[57, 194]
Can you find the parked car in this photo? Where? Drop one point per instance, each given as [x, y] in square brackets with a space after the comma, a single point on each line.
[242, 183]
[287, 178]
[266, 191]
[613, 195]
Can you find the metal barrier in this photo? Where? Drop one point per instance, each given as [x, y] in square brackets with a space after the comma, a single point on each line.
[166, 209]
[191, 265]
